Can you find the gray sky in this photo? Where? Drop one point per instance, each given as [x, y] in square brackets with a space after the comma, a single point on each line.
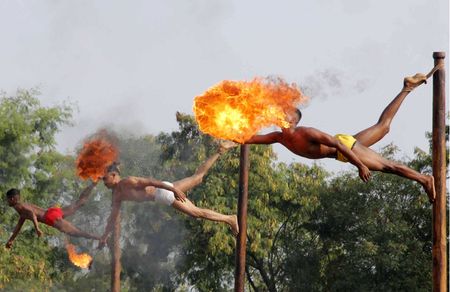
[135, 63]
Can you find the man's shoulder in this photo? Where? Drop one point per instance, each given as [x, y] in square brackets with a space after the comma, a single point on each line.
[306, 130]
[26, 205]
[128, 181]
[303, 130]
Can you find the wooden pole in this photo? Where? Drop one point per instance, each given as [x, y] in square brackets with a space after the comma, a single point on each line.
[439, 173]
[115, 259]
[239, 277]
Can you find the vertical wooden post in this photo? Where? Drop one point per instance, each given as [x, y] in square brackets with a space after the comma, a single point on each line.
[439, 173]
[239, 276]
[115, 259]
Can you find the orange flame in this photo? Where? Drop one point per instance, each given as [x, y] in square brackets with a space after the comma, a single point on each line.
[96, 155]
[82, 260]
[237, 110]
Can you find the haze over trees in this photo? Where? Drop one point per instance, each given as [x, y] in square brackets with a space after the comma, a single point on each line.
[308, 230]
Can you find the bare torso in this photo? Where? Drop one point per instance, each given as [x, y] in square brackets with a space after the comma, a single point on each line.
[23, 208]
[125, 192]
[301, 141]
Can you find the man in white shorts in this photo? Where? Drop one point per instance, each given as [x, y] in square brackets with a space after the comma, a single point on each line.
[141, 189]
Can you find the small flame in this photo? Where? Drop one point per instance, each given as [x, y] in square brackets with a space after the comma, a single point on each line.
[82, 260]
[237, 110]
[96, 155]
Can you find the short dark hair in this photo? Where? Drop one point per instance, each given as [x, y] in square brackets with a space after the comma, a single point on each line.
[12, 193]
[298, 113]
[113, 167]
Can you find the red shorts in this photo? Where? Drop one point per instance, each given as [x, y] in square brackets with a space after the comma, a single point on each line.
[52, 215]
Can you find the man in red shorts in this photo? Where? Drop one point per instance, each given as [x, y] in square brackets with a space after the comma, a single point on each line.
[53, 216]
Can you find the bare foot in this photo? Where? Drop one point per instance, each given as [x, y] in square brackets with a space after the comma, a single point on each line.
[234, 225]
[409, 83]
[225, 145]
[429, 188]
[437, 67]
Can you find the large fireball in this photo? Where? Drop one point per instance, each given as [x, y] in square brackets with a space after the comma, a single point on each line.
[97, 154]
[237, 110]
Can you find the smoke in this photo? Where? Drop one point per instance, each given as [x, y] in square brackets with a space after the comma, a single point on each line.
[332, 82]
[151, 234]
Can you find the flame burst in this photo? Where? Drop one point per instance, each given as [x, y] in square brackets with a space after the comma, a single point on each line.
[237, 110]
[82, 260]
[96, 155]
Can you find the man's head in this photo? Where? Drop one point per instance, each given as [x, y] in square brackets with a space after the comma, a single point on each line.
[112, 176]
[13, 197]
[294, 117]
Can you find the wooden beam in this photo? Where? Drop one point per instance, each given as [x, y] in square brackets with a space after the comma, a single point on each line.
[439, 173]
[239, 277]
[115, 256]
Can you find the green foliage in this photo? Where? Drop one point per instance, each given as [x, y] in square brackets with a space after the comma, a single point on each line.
[374, 236]
[279, 195]
[29, 161]
[27, 131]
[307, 230]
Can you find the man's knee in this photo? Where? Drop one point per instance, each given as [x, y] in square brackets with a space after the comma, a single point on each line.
[66, 227]
[384, 127]
[390, 167]
[198, 178]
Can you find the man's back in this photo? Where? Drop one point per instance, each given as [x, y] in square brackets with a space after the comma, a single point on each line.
[24, 211]
[307, 142]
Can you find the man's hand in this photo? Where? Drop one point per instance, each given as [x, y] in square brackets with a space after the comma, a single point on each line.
[364, 173]
[225, 145]
[179, 195]
[9, 244]
[39, 232]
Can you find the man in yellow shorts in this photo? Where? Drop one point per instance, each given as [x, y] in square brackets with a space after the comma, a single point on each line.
[314, 144]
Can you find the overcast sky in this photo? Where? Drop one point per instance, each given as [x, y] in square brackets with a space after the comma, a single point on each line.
[133, 64]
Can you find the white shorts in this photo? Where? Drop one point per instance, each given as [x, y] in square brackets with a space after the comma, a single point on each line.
[164, 196]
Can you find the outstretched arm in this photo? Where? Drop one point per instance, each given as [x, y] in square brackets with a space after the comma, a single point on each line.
[328, 140]
[15, 232]
[142, 183]
[115, 210]
[273, 137]
[87, 190]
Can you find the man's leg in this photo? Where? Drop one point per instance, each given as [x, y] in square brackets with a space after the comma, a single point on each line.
[190, 209]
[374, 133]
[71, 209]
[189, 183]
[68, 228]
[376, 162]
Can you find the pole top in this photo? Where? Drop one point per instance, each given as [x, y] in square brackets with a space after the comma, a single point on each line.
[439, 55]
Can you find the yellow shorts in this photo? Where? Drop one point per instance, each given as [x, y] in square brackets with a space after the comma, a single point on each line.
[348, 141]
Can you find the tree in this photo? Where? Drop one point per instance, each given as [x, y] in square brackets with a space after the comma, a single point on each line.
[374, 236]
[308, 231]
[151, 234]
[29, 161]
[274, 203]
